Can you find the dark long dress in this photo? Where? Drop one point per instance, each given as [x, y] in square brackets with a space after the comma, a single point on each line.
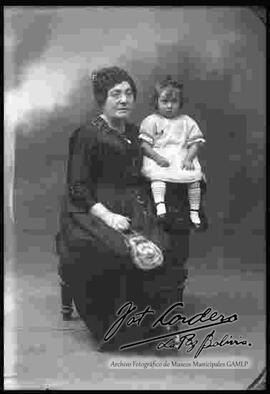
[104, 167]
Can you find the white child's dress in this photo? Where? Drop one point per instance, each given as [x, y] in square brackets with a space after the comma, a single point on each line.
[171, 138]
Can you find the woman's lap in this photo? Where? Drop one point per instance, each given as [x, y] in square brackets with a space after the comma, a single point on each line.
[102, 282]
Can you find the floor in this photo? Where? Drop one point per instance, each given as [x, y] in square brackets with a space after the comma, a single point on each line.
[44, 352]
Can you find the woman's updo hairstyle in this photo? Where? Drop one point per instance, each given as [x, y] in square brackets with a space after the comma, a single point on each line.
[170, 85]
[106, 78]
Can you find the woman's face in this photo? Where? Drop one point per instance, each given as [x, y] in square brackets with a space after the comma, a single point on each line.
[120, 101]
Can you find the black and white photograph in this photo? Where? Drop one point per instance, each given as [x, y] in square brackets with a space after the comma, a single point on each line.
[134, 197]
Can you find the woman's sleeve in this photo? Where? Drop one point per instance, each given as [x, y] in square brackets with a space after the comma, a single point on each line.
[194, 133]
[147, 131]
[81, 170]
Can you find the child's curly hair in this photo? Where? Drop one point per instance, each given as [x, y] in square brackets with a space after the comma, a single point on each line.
[170, 85]
[106, 78]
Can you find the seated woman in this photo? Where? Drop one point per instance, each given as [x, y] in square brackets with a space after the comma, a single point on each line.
[107, 195]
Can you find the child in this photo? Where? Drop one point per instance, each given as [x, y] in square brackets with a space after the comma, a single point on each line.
[170, 142]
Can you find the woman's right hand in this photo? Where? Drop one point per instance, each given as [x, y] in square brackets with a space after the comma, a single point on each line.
[116, 221]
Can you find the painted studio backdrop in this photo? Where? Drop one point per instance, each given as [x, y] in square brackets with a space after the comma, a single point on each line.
[219, 55]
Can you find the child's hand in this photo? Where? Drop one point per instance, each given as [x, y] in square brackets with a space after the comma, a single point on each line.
[188, 165]
[162, 162]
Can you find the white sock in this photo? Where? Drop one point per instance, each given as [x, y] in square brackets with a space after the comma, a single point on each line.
[194, 197]
[158, 192]
[161, 208]
[194, 217]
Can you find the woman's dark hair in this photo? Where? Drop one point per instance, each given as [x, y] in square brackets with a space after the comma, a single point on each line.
[106, 78]
[170, 85]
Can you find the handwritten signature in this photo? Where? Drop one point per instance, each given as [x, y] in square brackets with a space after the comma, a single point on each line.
[174, 339]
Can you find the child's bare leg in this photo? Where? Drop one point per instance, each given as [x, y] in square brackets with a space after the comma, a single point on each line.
[194, 197]
[158, 192]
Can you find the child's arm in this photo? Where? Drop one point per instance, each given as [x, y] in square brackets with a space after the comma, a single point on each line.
[192, 152]
[149, 152]
[194, 140]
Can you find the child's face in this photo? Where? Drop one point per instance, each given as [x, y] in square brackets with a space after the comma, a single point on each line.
[169, 103]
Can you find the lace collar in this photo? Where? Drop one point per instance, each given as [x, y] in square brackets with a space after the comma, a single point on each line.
[100, 123]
